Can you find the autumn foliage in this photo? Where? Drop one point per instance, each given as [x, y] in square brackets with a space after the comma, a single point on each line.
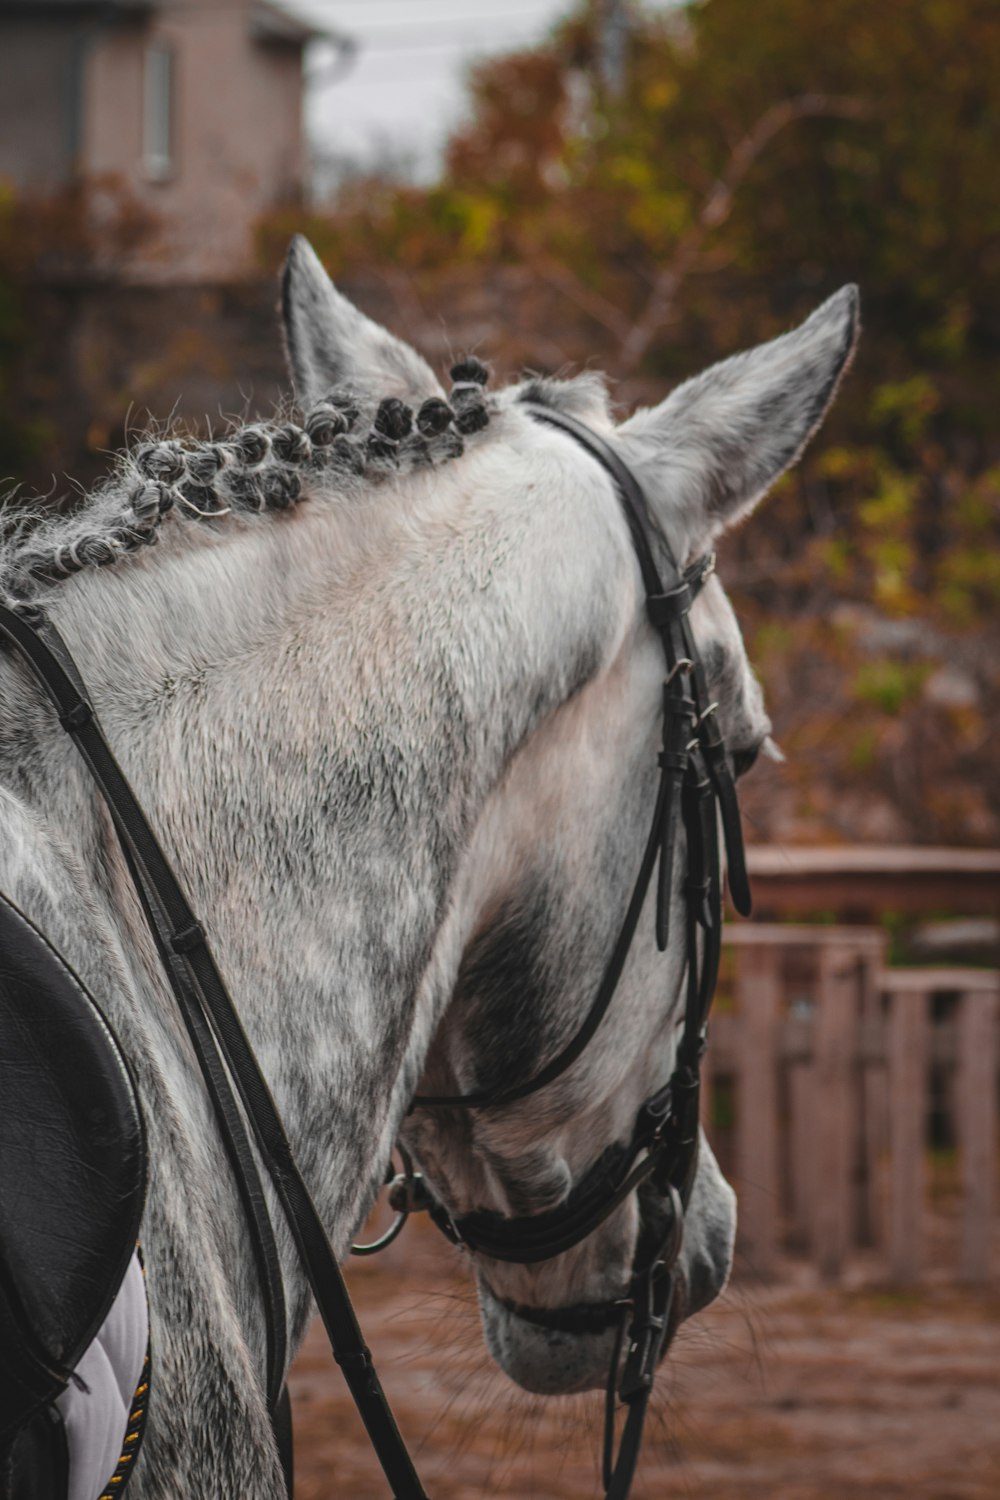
[758, 157]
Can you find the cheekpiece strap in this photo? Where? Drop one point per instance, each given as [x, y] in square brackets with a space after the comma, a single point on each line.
[664, 609]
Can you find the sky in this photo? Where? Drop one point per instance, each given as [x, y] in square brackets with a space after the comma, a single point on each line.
[404, 89]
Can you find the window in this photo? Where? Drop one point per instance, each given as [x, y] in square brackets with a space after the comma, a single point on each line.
[157, 122]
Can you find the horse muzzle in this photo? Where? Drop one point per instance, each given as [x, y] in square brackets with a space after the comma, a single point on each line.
[681, 1265]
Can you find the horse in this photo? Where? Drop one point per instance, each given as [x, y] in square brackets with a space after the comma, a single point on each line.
[390, 698]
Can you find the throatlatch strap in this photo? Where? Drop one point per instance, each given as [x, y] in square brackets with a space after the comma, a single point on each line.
[186, 939]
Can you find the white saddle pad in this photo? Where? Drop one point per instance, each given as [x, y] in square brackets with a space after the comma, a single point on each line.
[95, 1411]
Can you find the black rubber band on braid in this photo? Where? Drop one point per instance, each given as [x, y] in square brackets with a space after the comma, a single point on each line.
[251, 445]
[467, 399]
[262, 467]
[164, 462]
[205, 462]
[434, 417]
[324, 423]
[292, 444]
[145, 503]
[470, 371]
[347, 404]
[393, 423]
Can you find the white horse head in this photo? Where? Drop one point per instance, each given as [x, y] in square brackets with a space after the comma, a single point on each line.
[549, 865]
[401, 740]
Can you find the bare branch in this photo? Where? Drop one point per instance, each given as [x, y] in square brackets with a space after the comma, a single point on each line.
[562, 279]
[716, 207]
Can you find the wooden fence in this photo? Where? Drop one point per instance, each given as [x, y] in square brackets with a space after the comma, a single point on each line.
[855, 1106]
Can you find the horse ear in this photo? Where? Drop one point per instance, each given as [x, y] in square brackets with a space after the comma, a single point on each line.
[715, 446]
[329, 342]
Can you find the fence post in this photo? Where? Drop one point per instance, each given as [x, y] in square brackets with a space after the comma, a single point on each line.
[802, 1152]
[908, 1045]
[835, 1121]
[873, 1142]
[977, 1128]
[758, 1002]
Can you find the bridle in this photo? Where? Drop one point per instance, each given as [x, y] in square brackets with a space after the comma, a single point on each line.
[660, 1159]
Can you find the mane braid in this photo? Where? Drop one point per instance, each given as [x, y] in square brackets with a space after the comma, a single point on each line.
[249, 470]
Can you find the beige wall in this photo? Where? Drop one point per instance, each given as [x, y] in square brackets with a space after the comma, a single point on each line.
[238, 145]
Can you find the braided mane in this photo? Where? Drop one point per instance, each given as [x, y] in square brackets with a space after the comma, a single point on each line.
[260, 467]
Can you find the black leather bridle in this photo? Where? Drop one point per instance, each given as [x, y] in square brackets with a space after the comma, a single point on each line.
[660, 1159]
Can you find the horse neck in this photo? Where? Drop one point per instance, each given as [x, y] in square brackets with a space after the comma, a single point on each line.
[314, 711]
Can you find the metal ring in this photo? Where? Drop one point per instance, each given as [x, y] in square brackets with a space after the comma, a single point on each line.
[395, 1228]
[374, 1246]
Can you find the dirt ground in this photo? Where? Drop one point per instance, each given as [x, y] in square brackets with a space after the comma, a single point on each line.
[790, 1392]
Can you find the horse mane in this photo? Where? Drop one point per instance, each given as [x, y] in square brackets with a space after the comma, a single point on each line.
[252, 468]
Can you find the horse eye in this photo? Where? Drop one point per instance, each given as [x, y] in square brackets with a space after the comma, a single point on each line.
[744, 760]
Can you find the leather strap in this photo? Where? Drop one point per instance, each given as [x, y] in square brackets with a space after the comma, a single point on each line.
[227, 1112]
[613, 1178]
[503, 1095]
[187, 952]
[647, 538]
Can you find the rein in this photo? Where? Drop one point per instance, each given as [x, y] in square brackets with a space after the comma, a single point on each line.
[660, 1159]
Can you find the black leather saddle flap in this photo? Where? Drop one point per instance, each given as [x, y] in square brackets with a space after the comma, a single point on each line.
[72, 1169]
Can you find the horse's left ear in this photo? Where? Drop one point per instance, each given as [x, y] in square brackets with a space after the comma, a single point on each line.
[329, 342]
[716, 445]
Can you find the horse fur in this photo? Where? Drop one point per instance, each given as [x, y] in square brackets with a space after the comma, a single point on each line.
[399, 741]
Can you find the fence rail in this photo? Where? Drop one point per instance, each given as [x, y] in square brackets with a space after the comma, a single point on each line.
[839, 1091]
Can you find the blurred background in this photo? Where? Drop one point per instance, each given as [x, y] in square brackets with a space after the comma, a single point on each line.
[641, 188]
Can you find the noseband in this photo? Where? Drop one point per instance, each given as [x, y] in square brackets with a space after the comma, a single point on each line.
[660, 1158]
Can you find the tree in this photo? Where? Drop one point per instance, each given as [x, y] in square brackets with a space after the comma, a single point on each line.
[757, 158]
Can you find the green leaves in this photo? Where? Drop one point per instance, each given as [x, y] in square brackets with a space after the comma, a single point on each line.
[889, 684]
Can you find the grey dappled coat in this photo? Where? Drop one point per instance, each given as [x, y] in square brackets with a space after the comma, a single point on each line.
[399, 738]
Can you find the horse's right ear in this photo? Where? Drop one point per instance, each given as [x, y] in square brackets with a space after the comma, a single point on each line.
[329, 342]
[718, 442]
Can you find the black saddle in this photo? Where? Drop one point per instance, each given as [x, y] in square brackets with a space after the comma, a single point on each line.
[72, 1185]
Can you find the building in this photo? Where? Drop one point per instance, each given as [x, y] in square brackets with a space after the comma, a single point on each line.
[190, 109]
